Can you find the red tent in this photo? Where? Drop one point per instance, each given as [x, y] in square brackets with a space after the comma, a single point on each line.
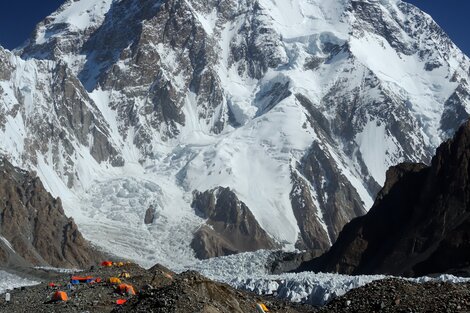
[84, 279]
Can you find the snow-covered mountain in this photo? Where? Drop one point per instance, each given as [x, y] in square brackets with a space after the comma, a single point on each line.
[126, 108]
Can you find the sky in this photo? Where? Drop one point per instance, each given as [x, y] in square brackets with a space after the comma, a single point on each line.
[19, 17]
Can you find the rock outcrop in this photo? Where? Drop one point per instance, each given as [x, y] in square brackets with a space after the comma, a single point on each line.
[282, 262]
[203, 296]
[33, 227]
[230, 226]
[419, 223]
[397, 295]
[149, 217]
[337, 201]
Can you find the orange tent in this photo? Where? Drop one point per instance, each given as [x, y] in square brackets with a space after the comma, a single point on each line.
[60, 296]
[107, 263]
[126, 289]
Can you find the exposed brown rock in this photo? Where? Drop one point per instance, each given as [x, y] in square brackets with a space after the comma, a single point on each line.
[337, 199]
[35, 226]
[149, 215]
[419, 223]
[230, 228]
[312, 234]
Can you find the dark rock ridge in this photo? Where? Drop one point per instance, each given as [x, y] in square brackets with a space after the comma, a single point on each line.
[33, 226]
[312, 234]
[337, 200]
[323, 199]
[280, 261]
[419, 223]
[230, 228]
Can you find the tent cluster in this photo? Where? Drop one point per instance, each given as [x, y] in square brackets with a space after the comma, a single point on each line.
[117, 264]
[119, 287]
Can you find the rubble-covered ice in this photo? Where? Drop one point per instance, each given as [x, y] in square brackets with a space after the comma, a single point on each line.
[248, 271]
[9, 281]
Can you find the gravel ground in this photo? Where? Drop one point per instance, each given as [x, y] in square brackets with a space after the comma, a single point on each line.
[98, 297]
[158, 290]
[396, 295]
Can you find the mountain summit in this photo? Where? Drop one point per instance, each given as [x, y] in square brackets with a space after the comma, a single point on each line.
[126, 108]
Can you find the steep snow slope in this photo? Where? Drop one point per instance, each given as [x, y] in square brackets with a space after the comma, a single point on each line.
[298, 106]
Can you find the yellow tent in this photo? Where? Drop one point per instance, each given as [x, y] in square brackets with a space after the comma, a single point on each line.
[261, 308]
[124, 275]
[114, 280]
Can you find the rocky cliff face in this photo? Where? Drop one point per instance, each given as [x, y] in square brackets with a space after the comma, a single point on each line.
[419, 223]
[230, 226]
[33, 228]
[287, 102]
